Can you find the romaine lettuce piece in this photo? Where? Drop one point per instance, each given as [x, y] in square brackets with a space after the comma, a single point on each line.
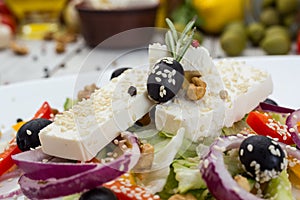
[279, 188]
[188, 175]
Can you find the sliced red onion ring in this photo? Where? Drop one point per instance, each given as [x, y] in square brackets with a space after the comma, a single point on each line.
[218, 180]
[292, 125]
[9, 188]
[48, 166]
[82, 177]
[274, 108]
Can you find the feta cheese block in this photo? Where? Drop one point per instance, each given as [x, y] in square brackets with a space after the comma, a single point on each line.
[245, 86]
[201, 118]
[234, 89]
[82, 131]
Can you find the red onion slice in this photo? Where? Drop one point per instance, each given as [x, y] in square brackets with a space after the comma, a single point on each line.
[34, 185]
[273, 108]
[9, 188]
[292, 125]
[219, 181]
[47, 166]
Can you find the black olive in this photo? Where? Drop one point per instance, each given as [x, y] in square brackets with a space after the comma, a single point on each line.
[262, 157]
[270, 101]
[165, 80]
[19, 120]
[100, 193]
[118, 72]
[28, 135]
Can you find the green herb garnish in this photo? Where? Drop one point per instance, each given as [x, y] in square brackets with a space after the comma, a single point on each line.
[179, 44]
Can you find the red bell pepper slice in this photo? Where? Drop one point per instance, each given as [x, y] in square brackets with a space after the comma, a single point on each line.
[6, 161]
[45, 111]
[264, 124]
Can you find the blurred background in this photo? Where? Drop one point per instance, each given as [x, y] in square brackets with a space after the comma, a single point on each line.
[231, 28]
[271, 25]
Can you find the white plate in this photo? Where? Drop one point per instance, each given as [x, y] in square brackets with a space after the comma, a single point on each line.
[23, 99]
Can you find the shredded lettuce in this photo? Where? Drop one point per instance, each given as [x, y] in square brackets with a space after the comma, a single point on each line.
[188, 175]
[280, 188]
[170, 188]
[69, 103]
[236, 128]
[232, 162]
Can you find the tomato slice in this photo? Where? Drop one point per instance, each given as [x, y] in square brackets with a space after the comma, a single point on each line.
[264, 124]
[125, 189]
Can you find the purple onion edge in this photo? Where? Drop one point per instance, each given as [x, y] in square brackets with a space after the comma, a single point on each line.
[216, 184]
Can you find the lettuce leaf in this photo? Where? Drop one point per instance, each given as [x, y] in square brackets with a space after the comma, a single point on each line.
[188, 175]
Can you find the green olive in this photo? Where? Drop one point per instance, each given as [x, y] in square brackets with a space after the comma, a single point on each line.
[276, 44]
[255, 32]
[277, 29]
[237, 26]
[269, 16]
[286, 6]
[267, 3]
[289, 19]
[232, 43]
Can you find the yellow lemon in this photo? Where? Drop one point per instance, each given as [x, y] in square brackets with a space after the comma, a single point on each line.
[217, 13]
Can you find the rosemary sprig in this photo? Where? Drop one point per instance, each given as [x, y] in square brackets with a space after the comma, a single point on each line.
[178, 45]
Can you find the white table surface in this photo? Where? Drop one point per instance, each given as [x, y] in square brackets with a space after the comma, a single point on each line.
[42, 60]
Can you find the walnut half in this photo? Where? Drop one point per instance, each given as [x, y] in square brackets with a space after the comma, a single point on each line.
[196, 89]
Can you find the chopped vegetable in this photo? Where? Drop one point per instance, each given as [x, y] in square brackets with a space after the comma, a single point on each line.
[7, 191]
[264, 124]
[293, 122]
[218, 179]
[69, 103]
[274, 108]
[44, 111]
[45, 180]
[280, 188]
[126, 190]
[188, 175]
[6, 161]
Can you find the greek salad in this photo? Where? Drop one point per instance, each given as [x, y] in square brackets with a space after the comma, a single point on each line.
[185, 128]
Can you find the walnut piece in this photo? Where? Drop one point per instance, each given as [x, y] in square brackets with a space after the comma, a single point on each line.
[243, 182]
[19, 49]
[86, 92]
[196, 89]
[60, 47]
[146, 159]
